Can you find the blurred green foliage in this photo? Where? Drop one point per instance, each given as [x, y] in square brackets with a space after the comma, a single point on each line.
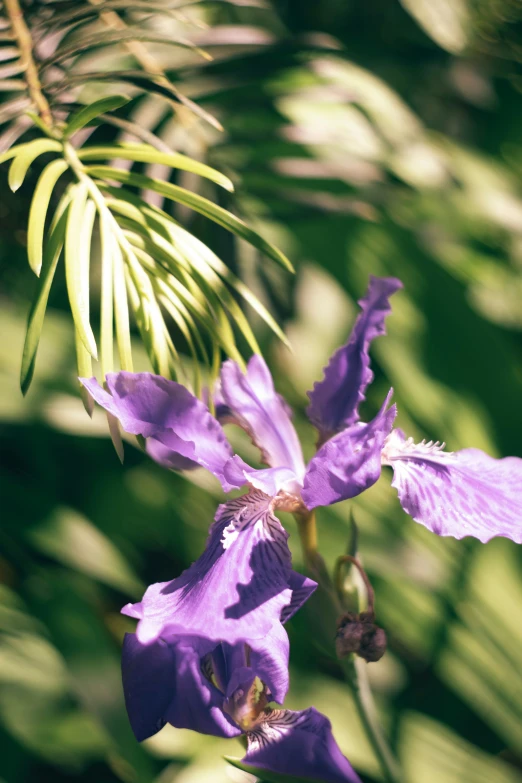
[372, 137]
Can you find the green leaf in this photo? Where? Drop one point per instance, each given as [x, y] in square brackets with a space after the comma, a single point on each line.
[11, 152]
[153, 332]
[195, 202]
[77, 259]
[84, 365]
[106, 317]
[221, 269]
[88, 113]
[143, 153]
[74, 541]
[37, 313]
[107, 322]
[180, 319]
[265, 775]
[41, 124]
[38, 212]
[25, 155]
[121, 311]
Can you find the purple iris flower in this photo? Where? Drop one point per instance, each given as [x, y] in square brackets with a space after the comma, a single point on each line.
[222, 692]
[299, 744]
[458, 494]
[227, 607]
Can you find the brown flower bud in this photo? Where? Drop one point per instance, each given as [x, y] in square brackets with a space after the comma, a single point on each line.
[357, 633]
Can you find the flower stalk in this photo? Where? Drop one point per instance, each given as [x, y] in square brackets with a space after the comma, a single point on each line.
[356, 673]
[25, 44]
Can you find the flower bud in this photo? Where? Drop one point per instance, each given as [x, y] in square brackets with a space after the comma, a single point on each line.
[357, 633]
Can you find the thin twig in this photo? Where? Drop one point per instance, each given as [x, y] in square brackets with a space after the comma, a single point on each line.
[25, 44]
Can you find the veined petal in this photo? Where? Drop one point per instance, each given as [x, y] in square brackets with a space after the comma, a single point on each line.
[237, 590]
[255, 405]
[163, 683]
[464, 493]
[334, 401]
[300, 744]
[182, 430]
[350, 462]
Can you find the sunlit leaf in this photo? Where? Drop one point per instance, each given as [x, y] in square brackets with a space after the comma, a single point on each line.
[195, 202]
[121, 312]
[38, 212]
[26, 154]
[84, 367]
[84, 116]
[143, 153]
[77, 259]
[36, 316]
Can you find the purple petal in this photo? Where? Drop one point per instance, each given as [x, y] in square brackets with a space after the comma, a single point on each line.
[334, 401]
[163, 682]
[269, 480]
[147, 686]
[350, 462]
[269, 662]
[300, 744]
[464, 493]
[183, 433]
[263, 413]
[237, 590]
[198, 704]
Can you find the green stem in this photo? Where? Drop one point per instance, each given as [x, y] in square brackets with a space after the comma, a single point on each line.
[313, 561]
[353, 667]
[356, 673]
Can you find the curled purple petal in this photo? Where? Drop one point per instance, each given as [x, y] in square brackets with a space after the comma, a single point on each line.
[234, 664]
[236, 591]
[299, 744]
[350, 462]
[198, 704]
[164, 682]
[181, 429]
[334, 401]
[464, 493]
[255, 405]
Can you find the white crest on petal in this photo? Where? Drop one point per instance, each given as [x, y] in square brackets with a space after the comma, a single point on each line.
[274, 724]
[396, 446]
[250, 509]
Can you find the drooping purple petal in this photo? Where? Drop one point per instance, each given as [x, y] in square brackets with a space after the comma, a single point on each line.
[256, 406]
[464, 493]
[350, 462]
[148, 684]
[236, 591]
[334, 401]
[182, 431]
[163, 683]
[299, 744]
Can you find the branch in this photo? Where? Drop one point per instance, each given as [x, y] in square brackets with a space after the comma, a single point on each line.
[25, 45]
